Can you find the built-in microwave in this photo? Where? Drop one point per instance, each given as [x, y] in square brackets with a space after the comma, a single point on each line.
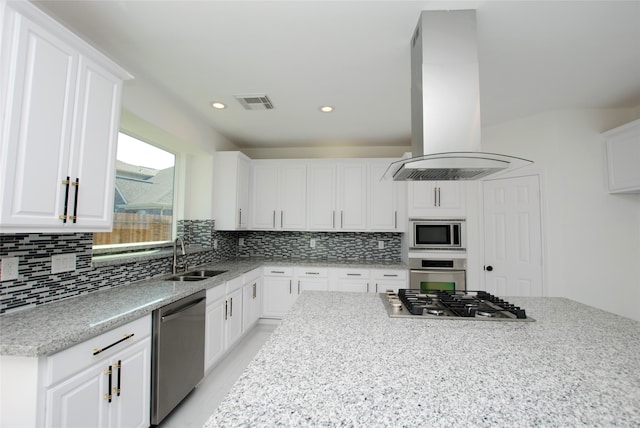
[437, 234]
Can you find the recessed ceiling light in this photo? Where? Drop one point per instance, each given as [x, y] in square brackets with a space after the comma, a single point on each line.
[326, 109]
[218, 105]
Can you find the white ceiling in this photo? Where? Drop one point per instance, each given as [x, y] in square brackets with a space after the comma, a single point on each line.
[354, 55]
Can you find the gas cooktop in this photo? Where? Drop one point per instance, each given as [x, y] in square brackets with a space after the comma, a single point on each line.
[438, 304]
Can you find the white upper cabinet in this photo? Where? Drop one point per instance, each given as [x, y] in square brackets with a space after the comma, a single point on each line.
[279, 195]
[623, 158]
[337, 195]
[60, 122]
[321, 192]
[351, 209]
[436, 199]
[383, 199]
[231, 172]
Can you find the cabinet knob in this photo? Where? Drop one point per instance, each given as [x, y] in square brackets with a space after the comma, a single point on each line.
[488, 268]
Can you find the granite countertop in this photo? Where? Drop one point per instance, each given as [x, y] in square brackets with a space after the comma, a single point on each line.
[47, 329]
[339, 360]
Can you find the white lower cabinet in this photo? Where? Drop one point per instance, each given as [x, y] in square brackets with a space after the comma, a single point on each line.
[347, 279]
[223, 320]
[278, 291]
[311, 279]
[388, 279]
[251, 298]
[110, 388]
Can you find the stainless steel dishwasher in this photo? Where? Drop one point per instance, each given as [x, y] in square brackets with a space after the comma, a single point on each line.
[177, 360]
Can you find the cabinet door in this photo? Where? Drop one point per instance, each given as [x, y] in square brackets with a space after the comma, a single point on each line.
[251, 304]
[352, 196]
[321, 196]
[243, 174]
[292, 197]
[231, 172]
[80, 401]
[382, 199]
[214, 339]
[430, 198]
[355, 285]
[94, 145]
[312, 284]
[233, 329]
[623, 156]
[276, 297]
[130, 409]
[34, 156]
[265, 211]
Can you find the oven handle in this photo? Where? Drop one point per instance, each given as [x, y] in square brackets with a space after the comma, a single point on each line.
[436, 270]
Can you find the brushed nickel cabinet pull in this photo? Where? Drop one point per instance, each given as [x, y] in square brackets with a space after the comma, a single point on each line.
[226, 309]
[274, 219]
[395, 219]
[255, 290]
[289, 286]
[281, 218]
[390, 275]
[298, 287]
[277, 271]
[354, 274]
[231, 306]
[239, 217]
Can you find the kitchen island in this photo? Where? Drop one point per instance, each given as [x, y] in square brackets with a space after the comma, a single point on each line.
[339, 360]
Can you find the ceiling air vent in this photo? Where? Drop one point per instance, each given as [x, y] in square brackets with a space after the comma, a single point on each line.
[255, 102]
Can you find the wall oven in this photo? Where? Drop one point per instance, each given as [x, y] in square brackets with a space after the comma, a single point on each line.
[438, 274]
[437, 234]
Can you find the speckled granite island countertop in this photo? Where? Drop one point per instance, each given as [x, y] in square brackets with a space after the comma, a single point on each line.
[50, 328]
[339, 360]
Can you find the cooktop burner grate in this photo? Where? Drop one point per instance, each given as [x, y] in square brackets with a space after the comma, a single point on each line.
[455, 304]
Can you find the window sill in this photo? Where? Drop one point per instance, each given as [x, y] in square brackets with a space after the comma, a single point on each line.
[107, 257]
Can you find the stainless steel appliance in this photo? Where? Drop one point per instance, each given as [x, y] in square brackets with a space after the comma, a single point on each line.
[461, 305]
[177, 360]
[438, 274]
[437, 234]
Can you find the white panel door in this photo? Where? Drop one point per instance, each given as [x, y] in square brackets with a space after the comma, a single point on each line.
[292, 197]
[383, 207]
[265, 196]
[94, 146]
[352, 196]
[321, 196]
[513, 236]
[34, 156]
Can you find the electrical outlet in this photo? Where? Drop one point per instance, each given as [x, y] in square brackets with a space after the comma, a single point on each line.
[312, 243]
[63, 263]
[215, 244]
[240, 242]
[9, 269]
[381, 245]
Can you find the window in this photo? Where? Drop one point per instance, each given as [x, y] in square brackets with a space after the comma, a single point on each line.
[143, 201]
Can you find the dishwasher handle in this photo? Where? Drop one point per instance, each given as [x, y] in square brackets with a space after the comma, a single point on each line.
[179, 311]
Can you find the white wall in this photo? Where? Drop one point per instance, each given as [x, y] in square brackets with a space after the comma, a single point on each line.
[150, 111]
[591, 237]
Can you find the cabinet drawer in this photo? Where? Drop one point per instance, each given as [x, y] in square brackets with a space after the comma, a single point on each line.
[277, 271]
[234, 284]
[312, 272]
[251, 276]
[215, 293]
[80, 356]
[388, 274]
[352, 273]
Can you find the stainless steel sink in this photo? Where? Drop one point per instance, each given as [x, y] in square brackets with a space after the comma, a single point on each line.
[195, 275]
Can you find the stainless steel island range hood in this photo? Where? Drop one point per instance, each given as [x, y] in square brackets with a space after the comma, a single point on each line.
[445, 104]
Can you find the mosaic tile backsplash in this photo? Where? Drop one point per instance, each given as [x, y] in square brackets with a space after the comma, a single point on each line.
[328, 245]
[36, 284]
